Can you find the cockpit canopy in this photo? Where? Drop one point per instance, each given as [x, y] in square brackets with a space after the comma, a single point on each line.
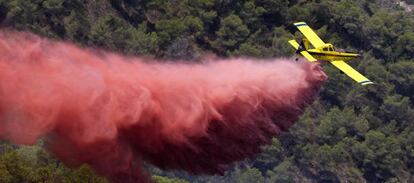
[328, 47]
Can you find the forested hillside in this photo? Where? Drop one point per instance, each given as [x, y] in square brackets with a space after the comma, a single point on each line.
[351, 133]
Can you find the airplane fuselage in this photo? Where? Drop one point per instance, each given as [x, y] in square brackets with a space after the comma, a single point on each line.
[332, 55]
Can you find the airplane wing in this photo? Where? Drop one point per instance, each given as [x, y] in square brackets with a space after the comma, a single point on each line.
[309, 34]
[351, 72]
[304, 53]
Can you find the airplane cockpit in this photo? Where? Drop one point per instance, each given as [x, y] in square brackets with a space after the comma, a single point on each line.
[328, 47]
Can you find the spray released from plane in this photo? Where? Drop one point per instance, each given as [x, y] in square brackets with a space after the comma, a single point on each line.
[113, 112]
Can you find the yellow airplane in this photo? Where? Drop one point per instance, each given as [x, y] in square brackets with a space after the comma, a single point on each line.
[326, 51]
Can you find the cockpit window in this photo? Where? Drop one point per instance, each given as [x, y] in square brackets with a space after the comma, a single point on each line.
[325, 49]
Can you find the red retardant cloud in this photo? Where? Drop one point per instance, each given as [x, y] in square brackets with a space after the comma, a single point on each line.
[114, 112]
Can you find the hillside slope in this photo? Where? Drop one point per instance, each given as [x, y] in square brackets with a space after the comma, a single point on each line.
[351, 133]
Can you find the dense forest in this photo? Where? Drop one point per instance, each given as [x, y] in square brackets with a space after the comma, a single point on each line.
[350, 134]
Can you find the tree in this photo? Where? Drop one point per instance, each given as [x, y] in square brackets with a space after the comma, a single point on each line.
[379, 156]
[231, 33]
[281, 173]
[405, 45]
[398, 109]
[160, 179]
[401, 75]
[250, 175]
